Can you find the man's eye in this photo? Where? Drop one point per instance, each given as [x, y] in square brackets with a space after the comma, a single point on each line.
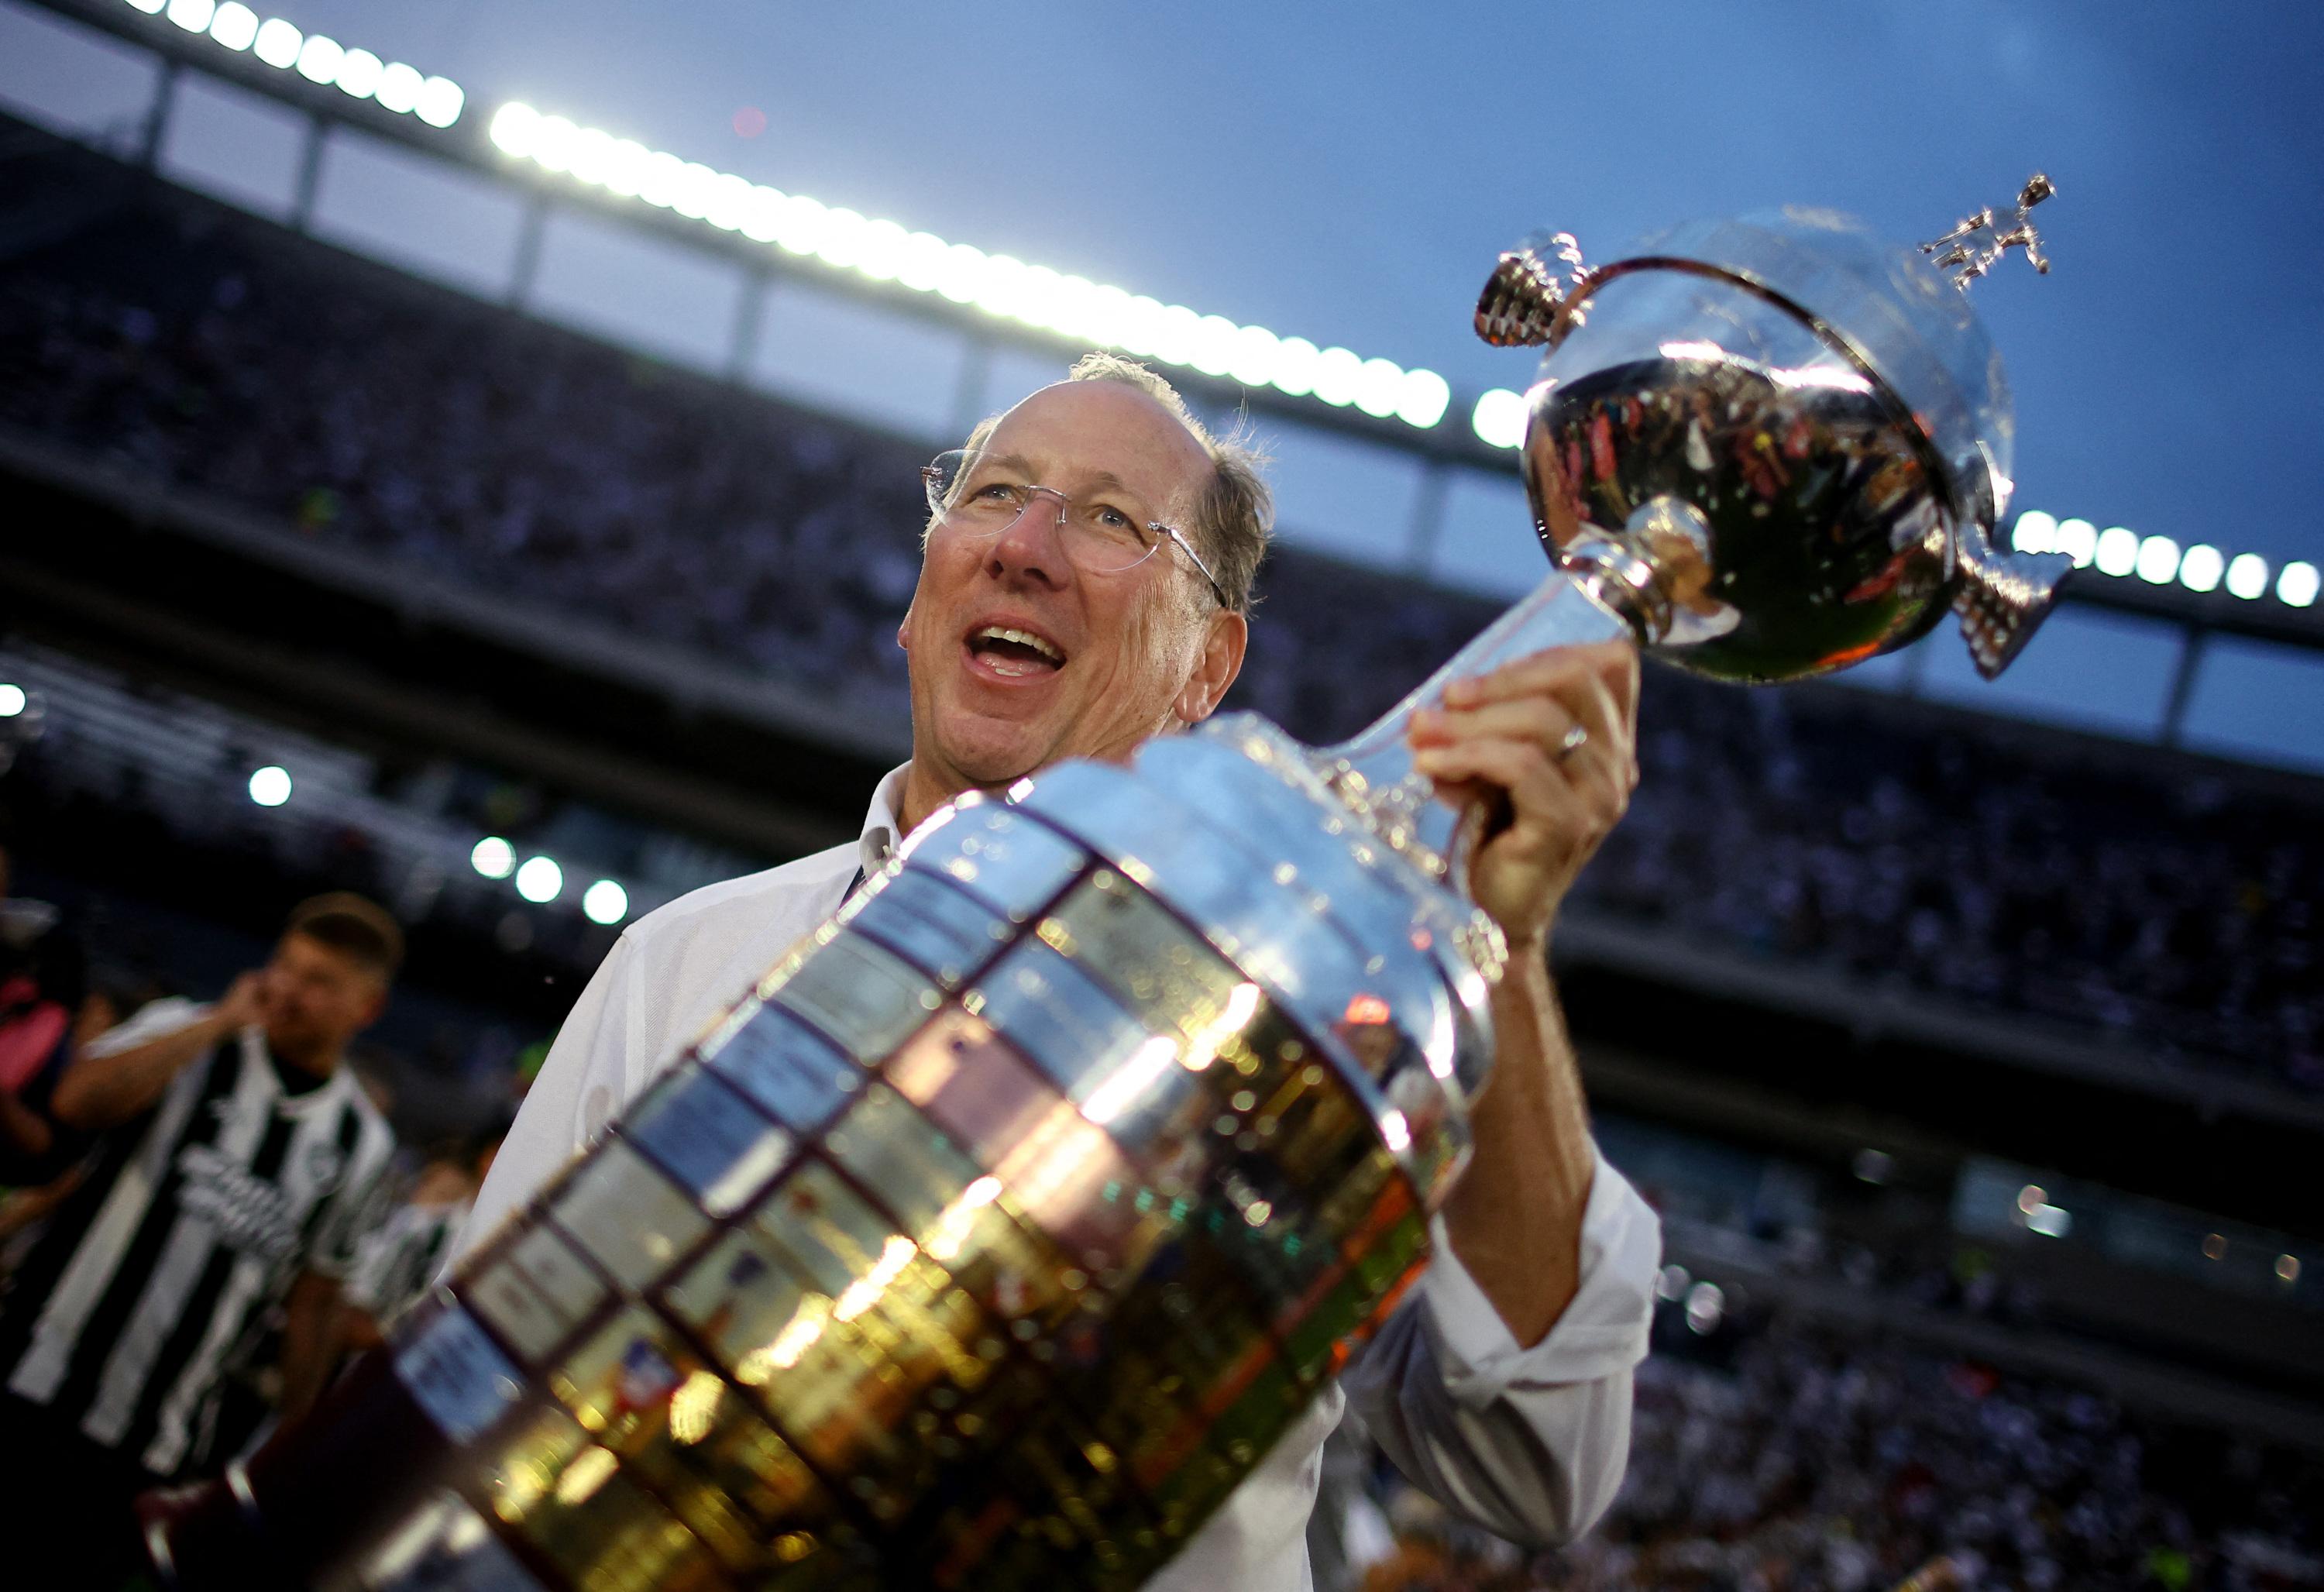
[1113, 518]
[994, 491]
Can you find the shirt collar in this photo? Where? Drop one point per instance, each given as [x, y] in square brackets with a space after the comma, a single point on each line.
[880, 825]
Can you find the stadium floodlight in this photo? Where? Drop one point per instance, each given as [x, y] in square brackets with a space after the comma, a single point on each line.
[2200, 566]
[193, 15]
[1378, 382]
[513, 129]
[1499, 419]
[606, 902]
[2296, 584]
[2287, 1267]
[150, 8]
[1256, 350]
[1294, 367]
[1213, 350]
[2118, 550]
[2158, 560]
[1422, 398]
[540, 880]
[360, 72]
[270, 787]
[1337, 372]
[1706, 1307]
[277, 43]
[319, 57]
[494, 858]
[2051, 1221]
[441, 101]
[399, 88]
[234, 25]
[13, 699]
[2035, 532]
[2078, 540]
[2247, 575]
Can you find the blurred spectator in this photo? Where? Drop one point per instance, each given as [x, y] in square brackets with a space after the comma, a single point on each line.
[233, 1153]
[43, 981]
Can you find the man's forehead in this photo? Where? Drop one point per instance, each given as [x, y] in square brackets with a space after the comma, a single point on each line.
[1103, 433]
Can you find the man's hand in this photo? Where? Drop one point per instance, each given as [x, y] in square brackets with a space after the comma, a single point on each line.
[101, 1092]
[243, 1004]
[1503, 740]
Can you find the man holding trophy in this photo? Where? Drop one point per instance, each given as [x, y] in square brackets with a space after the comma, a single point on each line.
[1086, 585]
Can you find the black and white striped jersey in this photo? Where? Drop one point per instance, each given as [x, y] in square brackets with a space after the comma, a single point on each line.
[191, 1219]
[396, 1261]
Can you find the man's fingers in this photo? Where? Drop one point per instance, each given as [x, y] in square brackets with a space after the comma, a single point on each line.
[1613, 663]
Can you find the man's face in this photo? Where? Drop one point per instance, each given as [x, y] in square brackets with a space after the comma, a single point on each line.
[1125, 655]
[317, 999]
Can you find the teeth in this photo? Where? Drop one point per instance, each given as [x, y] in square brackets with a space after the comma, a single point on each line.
[1022, 639]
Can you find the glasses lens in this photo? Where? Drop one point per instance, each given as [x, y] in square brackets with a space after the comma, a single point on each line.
[975, 495]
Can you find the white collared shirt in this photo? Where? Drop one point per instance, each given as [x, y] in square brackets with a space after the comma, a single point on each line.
[1529, 1442]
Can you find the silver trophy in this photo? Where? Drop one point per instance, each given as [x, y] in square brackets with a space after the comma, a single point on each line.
[992, 1238]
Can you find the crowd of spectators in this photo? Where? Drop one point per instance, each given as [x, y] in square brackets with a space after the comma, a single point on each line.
[2168, 908]
[1779, 1458]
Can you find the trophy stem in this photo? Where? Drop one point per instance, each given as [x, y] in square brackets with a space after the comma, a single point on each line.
[1372, 772]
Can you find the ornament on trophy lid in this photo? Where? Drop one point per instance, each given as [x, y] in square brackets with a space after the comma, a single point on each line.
[1968, 258]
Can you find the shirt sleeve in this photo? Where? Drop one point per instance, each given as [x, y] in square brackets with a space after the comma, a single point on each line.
[1530, 1443]
[579, 1087]
[150, 1021]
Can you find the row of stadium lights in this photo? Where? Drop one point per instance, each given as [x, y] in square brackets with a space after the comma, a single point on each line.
[538, 879]
[1036, 296]
[2055, 1221]
[2160, 561]
[390, 85]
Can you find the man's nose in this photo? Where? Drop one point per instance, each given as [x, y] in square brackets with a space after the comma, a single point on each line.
[1034, 545]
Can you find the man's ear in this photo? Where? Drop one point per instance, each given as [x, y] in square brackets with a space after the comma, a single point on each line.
[1221, 662]
[904, 631]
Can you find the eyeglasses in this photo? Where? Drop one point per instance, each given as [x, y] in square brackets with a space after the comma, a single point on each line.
[975, 495]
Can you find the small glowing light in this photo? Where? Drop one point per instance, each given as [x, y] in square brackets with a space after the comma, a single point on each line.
[606, 902]
[659, 179]
[1337, 372]
[1255, 352]
[1294, 367]
[1396, 1131]
[553, 140]
[1706, 1307]
[319, 58]
[2032, 1197]
[2287, 1266]
[2078, 540]
[514, 128]
[234, 25]
[1173, 337]
[1671, 1281]
[540, 880]
[2296, 585]
[13, 700]
[880, 252]
[150, 8]
[2215, 1246]
[1499, 419]
[277, 43]
[2158, 560]
[399, 88]
[2051, 1221]
[1364, 1008]
[494, 858]
[2247, 575]
[592, 1469]
[693, 1407]
[1214, 346]
[1378, 384]
[588, 154]
[193, 15]
[2118, 550]
[865, 1292]
[962, 276]
[360, 72]
[2035, 532]
[270, 787]
[440, 102]
[2200, 566]
[1422, 398]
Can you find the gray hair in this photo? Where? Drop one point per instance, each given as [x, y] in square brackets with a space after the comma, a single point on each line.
[1235, 515]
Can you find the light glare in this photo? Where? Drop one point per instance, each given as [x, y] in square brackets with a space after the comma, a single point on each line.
[234, 25]
[277, 43]
[440, 102]
[2158, 560]
[1337, 372]
[540, 880]
[1294, 367]
[494, 858]
[1422, 398]
[399, 88]
[2200, 567]
[2035, 532]
[270, 787]
[2295, 587]
[2247, 575]
[1499, 419]
[319, 58]
[150, 8]
[360, 72]
[12, 701]
[2118, 550]
[515, 127]
[193, 15]
[2078, 540]
[606, 902]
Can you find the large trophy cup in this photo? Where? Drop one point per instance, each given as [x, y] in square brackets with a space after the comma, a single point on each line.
[991, 1240]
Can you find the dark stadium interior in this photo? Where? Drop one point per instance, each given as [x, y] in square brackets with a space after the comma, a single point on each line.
[1847, 948]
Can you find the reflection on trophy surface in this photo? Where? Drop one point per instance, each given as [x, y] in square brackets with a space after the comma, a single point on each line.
[992, 1237]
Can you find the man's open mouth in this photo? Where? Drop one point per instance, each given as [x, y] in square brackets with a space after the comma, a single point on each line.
[1014, 654]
